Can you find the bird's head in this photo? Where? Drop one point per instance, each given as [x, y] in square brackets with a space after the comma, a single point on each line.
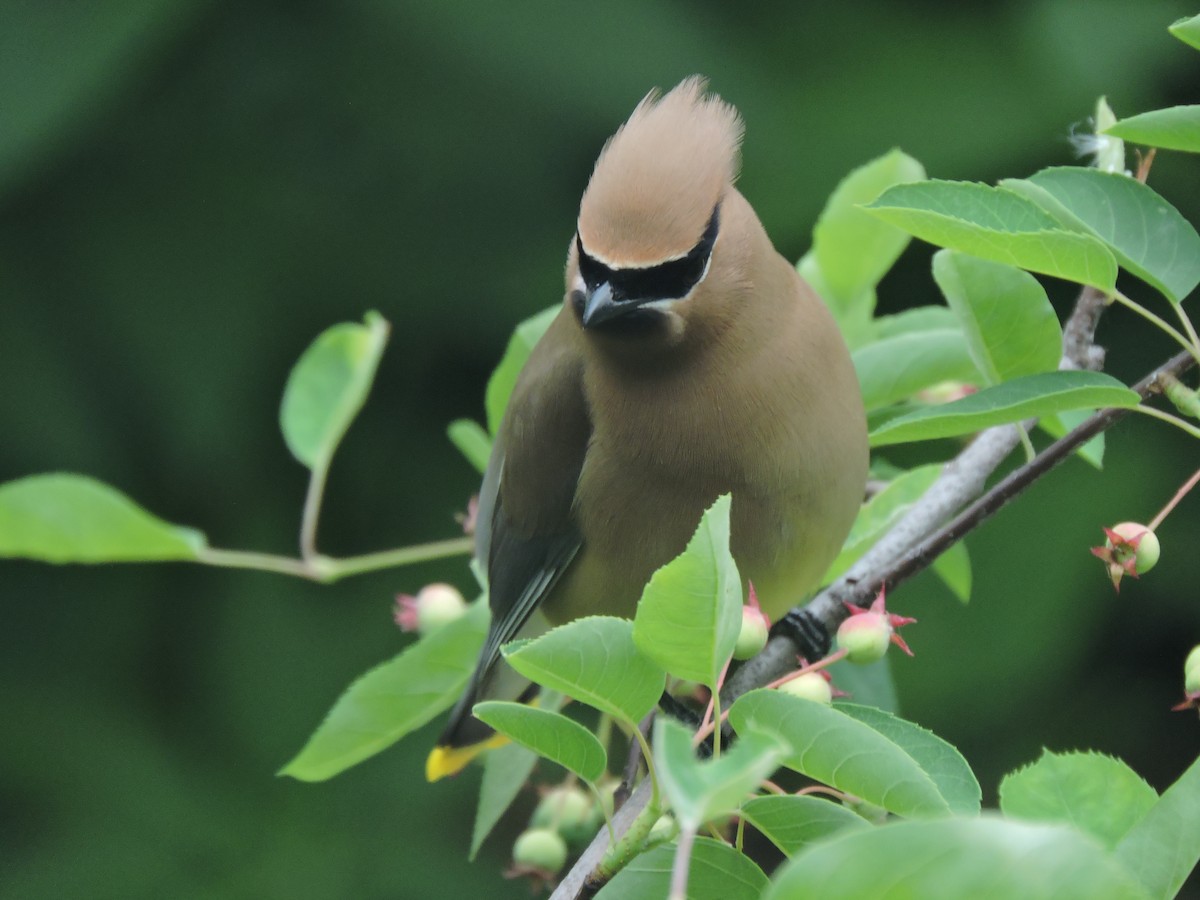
[654, 219]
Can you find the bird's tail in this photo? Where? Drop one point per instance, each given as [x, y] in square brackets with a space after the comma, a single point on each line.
[465, 736]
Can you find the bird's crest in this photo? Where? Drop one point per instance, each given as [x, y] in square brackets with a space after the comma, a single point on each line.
[658, 178]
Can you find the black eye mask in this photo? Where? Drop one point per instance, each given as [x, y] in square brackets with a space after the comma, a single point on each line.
[665, 281]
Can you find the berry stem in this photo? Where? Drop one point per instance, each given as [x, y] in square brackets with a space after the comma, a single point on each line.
[714, 703]
[811, 667]
[1174, 501]
[822, 789]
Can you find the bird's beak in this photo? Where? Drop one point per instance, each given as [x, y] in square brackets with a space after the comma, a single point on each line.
[603, 305]
[599, 306]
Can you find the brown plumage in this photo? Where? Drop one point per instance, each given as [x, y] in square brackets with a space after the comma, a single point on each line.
[689, 360]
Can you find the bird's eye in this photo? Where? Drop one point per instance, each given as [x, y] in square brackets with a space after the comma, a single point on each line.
[665, 281]
[593, 272]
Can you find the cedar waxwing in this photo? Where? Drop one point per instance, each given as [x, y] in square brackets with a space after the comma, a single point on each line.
[689, 359]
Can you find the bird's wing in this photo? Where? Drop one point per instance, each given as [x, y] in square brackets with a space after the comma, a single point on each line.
[526, 535]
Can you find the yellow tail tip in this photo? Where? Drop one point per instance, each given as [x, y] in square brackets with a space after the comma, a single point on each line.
[445, 761]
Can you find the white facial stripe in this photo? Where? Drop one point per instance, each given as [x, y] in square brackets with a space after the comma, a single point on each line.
[614, 264]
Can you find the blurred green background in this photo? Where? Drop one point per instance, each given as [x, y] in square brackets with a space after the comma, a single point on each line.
[190, 190]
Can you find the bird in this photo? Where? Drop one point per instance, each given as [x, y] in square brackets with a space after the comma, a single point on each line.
[689, 359]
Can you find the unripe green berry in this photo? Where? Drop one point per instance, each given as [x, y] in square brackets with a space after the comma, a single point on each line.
[1191, 671]
[568, 810]
[1148, 548]
[753, 636]
[865, 637]
[810, 686]
[541, 849]
[1192, 663]
[438, 605]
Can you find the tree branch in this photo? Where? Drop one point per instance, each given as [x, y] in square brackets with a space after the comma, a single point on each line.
[962, 479]
[827, 610]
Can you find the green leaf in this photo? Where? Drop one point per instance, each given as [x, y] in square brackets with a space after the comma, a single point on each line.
[853, 249]
[842, 752]
[1010, 326]
[955, 858]
[64, 518]
[938, 759]
[1095, 793]
[701, 791]
[917, 319]
[871, 684]
[1174, 128]
[1163, 847]
[997, 224]
[549, 734]
[895, 368]
[877, 516]
[717, 872]
[853, 315]
[1012, 401]
[505, 771]
[1188, 31]
[394, 699]
[1057, 426]
[691, 611]
[1147, 234]
[327, 388]
[472, 442]
[954, 569]
[790, 822]
[594, 660]
[520, 345]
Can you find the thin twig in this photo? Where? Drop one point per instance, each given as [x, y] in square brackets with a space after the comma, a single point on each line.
[1161, 323]
[1184, 426]
[1188, 328]
[632, 764]
[326, 569]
